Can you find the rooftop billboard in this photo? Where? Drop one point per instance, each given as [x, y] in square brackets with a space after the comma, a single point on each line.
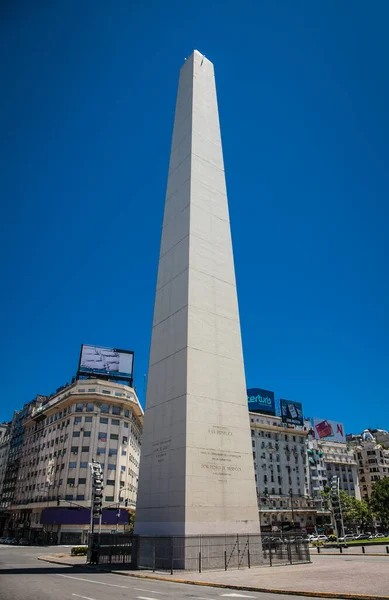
[108, 362]
[329, 431]
[261, 401]
[292, 412]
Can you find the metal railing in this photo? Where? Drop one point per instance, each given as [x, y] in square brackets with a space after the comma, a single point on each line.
[199, 553]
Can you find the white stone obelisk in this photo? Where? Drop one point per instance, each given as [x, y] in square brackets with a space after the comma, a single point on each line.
[196, 470]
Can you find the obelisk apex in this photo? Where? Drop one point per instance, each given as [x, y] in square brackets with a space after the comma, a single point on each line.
[196, 471]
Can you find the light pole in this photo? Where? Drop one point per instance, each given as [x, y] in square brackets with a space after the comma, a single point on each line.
[291, 504]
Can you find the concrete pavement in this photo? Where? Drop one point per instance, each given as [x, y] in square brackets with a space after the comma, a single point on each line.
[328, 576]
[23, 577]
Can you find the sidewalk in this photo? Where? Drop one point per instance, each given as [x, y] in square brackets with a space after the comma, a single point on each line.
[337, 577]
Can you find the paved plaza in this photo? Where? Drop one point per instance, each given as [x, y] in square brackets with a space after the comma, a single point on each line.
[338, 574]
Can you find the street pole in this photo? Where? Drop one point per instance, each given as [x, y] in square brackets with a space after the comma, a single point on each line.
[291, 504]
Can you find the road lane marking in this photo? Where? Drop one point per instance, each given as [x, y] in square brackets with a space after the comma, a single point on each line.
[150, 591]
[237, 596]
[145, 598]
[85, 597]
[93, 581]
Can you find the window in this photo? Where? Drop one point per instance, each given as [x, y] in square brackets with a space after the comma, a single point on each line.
[82, 481]
[104, 420]
[111, 467]
[126, 424]
[76, 434]
[70, 481]
[74, 449]
[106, 391]
[79, 407]
[112, 452]
[124, 452]
[100, 450]
[77, 420]
[110, 482]
[104, 408]
[126, 412]
[90, 407]
[123, 469]
[69, 497]
[83, 465]
[85, 449]
[115, 422]
[114, 436]
[87, 433]
[80, 497]
[109, 498]
[88, 419]
[91, 389]
[102, 436]
[119, 394]
[116, 410]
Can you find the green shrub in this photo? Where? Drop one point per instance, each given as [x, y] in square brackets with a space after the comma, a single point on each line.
[79, 551]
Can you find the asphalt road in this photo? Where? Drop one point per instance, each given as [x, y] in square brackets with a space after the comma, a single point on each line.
[23, 577]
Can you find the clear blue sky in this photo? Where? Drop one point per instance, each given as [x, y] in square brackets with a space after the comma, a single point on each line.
[87, 104]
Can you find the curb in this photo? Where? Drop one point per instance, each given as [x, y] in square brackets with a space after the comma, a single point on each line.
[353, 554]
[245, 588]
[57, 562]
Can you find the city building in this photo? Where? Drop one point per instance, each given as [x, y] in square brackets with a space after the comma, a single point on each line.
[282, 474]
[51, 496]
[5, 429]
[11, 450]
[340, 461]
[372, 460]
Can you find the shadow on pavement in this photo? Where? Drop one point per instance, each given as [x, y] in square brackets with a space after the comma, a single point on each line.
[43, 570]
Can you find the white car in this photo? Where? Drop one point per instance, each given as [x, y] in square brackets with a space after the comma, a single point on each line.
[347, 538]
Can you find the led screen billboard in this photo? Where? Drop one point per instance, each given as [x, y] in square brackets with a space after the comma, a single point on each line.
[110, 362]
[261, 401]
[329, 431]
[292, 412]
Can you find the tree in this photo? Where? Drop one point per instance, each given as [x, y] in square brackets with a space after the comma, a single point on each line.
[380, 500]
[355, 512]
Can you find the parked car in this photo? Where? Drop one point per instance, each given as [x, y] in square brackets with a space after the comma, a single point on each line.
[347, 538]
[8, 540]
[322, 538]
[24, 542]
[361, 536]
[379, 535]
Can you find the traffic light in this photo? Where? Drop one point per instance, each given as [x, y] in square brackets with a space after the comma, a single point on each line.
[97, 489]
[335, 500]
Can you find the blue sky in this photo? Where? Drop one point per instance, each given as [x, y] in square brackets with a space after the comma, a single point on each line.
[87, 105]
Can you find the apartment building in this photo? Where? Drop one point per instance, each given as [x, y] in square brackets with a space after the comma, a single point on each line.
[89, 419]
[340, 461]
[373, 462]
[281, 474]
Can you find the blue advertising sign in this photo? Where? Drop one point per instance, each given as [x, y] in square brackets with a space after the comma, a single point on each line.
[292, 412]
[261, 401]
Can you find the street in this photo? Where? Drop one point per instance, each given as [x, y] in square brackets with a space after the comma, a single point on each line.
[23, 577]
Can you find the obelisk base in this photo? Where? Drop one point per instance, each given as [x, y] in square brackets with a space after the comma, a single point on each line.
[198, 552]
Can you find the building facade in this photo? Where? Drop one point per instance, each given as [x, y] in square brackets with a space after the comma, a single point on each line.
[89, 419]
[340, 461]
[282, 475]
[373, 463]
